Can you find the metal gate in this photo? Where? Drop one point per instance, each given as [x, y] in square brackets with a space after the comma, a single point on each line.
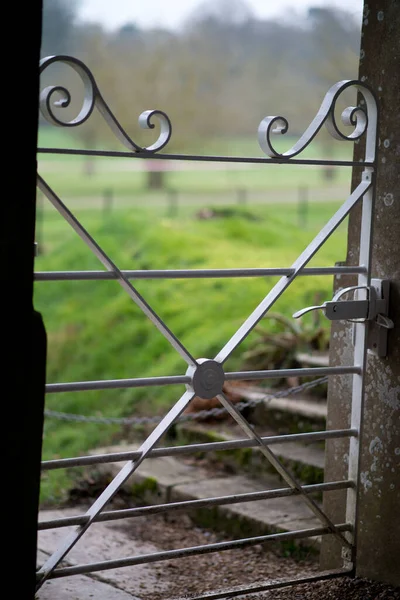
[204, 377]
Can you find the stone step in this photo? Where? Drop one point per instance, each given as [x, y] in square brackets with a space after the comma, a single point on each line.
[288, 414]
[167, 479]
[316, 359]
[305, 462]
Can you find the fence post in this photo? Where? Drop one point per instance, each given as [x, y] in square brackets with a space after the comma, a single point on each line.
[108, 198]
[241, 196]
[172, 200]
[378, 540]
[302, 206]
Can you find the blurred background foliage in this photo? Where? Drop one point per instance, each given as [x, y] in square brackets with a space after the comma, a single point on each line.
[219, 75]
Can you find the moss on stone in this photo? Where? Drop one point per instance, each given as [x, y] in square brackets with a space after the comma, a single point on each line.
[237, 527]
[145, 489]
[249, 460]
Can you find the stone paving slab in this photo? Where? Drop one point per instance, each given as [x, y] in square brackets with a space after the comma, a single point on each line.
[101, 541]
[79, 587]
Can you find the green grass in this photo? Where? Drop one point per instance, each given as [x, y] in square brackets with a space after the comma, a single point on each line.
[95, 331]
[70, 183]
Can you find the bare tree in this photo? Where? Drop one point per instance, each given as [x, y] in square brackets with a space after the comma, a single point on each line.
[220, 75]
[335, 41]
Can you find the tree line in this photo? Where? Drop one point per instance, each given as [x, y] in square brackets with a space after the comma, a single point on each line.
[218, 75]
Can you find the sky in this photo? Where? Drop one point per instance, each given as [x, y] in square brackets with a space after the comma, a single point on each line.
[172, 13]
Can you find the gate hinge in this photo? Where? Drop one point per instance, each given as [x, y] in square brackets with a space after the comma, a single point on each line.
[374, 307]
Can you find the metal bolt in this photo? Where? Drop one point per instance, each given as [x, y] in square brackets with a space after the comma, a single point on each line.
[386, 143]
[381, 15]
[209, 379]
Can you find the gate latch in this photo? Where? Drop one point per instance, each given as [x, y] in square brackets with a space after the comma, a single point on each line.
[374, 307]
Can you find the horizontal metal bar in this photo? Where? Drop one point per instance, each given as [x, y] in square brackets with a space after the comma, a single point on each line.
[271, 585]
[195, 504]
[309, 437]
[193, 551]
[273, 373]
[111, 384]
[191, 273]
[206, 158]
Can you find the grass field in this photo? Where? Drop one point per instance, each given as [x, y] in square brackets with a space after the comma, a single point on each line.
[127, 176]
[54, 137]
[95, 331]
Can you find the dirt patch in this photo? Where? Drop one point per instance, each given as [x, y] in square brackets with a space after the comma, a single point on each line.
[194, 575]
[345, 588]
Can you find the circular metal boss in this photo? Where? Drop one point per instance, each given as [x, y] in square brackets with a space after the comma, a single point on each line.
[207, 378]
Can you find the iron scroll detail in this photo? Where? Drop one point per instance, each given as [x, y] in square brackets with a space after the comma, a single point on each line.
[355, 116]
[59, 96]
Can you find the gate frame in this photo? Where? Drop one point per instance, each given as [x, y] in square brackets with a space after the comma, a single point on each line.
[206, 376]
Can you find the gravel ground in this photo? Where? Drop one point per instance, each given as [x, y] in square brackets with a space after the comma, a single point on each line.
[343, 588]
[205, 573]
[188, 577]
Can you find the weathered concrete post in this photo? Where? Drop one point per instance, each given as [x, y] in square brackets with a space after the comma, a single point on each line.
[378, 531]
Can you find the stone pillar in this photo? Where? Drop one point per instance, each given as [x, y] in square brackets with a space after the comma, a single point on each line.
[378, 531]
[339, 417]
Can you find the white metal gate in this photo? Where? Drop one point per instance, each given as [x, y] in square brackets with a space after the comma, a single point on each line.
[205, 377]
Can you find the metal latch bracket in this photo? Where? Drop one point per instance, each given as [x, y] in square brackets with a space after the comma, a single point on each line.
[374, 308]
